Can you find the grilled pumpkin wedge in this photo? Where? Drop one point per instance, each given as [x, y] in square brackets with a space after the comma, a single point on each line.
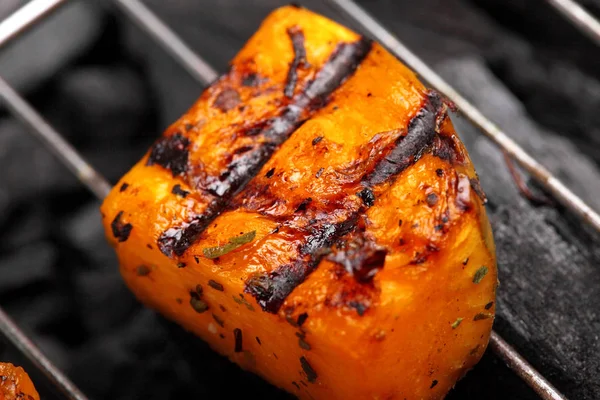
[15, 384]
[315, 218]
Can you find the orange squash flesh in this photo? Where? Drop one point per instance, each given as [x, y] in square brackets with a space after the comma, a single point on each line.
[315, 218]
[15, 384]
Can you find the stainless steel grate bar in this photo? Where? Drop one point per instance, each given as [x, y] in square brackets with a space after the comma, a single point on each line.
[149, 22]
[12, 332]
[205, 74]
[580, 17]
[551, 183]
[25, 17]
[517, 363]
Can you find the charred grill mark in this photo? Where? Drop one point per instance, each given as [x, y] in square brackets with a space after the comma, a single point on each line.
[445, 148]
[271, 289]
[120, 230]
[171, 152]
[341, 65]
[297, 37]
[409, 148]
[227, 100]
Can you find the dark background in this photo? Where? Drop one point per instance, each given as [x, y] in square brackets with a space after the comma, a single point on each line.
[110, 90]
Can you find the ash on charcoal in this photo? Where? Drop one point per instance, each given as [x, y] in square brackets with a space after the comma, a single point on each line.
[103, 294]
[84, 231]
[26, 265]
[108, 104]
[40, 53]
[28, 169]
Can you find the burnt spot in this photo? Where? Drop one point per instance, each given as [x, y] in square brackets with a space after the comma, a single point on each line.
[311, 374]
[297, 37]
[340, 66]
[316, 140]
[367, 196]
[439, 172]
[361, 258]
[433, 384]
[409, 148]
[215, 285]
[432, 199]
[304, 204]
[251, 80]
[227, 100]
[271, 289]
[446, 148]
[177, 190]
[120, 230]
[258, 341]
[270, 173]
[237, 337]
[171, 152]
[123, 187]
[476, 186]
[489, 305]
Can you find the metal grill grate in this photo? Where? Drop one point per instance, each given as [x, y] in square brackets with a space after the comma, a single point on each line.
[36, 10]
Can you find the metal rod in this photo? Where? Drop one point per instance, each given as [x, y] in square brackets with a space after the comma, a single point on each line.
[580, 17]
[54, 141]
[157, 29]
[552, 184]
[12, 332]
[26, 17]
[518, 364]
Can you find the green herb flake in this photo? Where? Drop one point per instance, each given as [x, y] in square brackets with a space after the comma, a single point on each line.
[234, 243]
[456, 323]
[480, 316]
[480, 274]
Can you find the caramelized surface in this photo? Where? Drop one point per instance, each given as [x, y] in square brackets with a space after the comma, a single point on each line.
[15, 384]
[315, 218]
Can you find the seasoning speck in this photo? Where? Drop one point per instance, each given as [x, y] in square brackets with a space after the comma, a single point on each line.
[218, 320]
[480, 274]
[433, 384]
[258, 341]
[481, 316]
[215, 285]
[181, 265]
[270, 173]
[319, 172]
[456, 323]
[317, 140]
[142, 270]
[439, 172]
[489, 305]
[432, 199]
[124, 187]
[303, 344]
[311, 374]
[237, 334]
[295, 384]
[367, 196]
[301, 319]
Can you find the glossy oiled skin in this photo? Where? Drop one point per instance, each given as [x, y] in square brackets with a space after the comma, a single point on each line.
[15, 384]
[286, 305]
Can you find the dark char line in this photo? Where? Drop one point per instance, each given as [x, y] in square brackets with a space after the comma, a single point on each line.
[340, 66]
